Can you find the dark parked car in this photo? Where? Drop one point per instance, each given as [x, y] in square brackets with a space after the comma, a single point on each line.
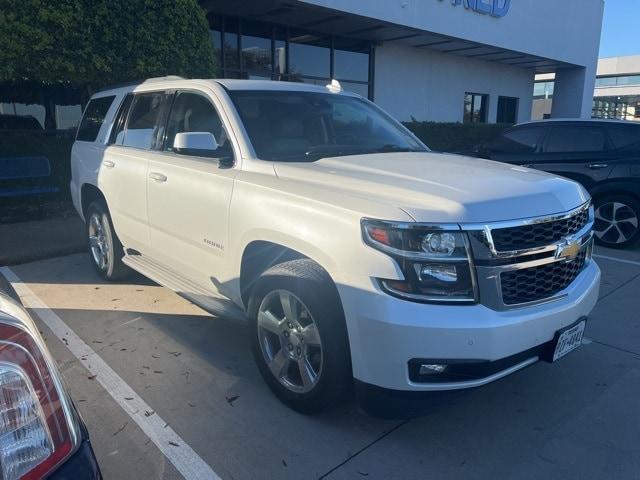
[42, 434]
[19, 122]
[603, 155]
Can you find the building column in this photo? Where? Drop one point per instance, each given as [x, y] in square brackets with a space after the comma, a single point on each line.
[573, 93]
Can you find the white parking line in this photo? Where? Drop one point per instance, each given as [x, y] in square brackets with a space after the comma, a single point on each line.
[177, 451]
[615, 259]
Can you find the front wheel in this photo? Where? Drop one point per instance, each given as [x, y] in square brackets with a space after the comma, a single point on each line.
[105, 249]
[617, 222]
[298, 336]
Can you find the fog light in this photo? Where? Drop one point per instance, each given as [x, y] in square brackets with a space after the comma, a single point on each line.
[442, 273]
[432, 369]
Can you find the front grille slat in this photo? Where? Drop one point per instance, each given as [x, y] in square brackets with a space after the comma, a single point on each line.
[536, 235]
[542, 282]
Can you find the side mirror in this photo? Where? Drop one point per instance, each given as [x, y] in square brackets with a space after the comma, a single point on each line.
[201, 144]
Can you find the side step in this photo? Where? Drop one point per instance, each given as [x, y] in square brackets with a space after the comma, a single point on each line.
[215, 305]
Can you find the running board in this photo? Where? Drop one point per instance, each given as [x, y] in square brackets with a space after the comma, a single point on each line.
[215, 305]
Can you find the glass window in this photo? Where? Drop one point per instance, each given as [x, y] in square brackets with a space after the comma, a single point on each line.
[569, 139]
[361, 89]
[94, 118]
[543, 90]
[307, 126]
[117, 132]
[475, 108]
[216, 40]
[517, 141]
[629, 80]
[143, 126]
[625, 137]
[306, 59]
[507, 110]
[606, 82]
[193, 112]
[351, 65]
[256, 55]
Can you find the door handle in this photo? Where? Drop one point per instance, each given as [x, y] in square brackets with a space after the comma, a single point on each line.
[158, 177]
[597, 166]
[108, 163]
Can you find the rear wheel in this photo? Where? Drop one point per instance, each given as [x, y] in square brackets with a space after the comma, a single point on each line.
[105, 250]
[299, 337]
[617, 221]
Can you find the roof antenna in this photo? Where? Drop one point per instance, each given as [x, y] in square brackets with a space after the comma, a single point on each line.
[334, 86]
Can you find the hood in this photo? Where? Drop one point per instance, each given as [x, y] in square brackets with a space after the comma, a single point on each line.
[434, 187]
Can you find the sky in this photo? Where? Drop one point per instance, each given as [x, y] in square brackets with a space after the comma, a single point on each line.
[620, 36]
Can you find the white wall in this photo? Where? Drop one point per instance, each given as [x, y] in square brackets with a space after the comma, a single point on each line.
[430, 85]
[566, 30]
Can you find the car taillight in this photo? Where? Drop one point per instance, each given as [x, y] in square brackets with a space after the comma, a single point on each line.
[36, 432]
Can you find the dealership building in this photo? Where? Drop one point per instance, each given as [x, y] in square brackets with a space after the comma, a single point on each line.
[435, 60]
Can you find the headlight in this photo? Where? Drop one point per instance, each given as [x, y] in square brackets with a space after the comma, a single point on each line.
[435, 260]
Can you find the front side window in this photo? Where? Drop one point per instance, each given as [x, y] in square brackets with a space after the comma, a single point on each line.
[517, 141]
[94, 118]
[475, 108]
[144, 125]
[193, 112]
[307, 126]
[575, 139]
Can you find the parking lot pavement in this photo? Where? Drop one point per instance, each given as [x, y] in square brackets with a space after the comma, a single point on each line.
[577, 419]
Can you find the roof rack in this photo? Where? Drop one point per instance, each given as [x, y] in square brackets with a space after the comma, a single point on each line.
[139, 82]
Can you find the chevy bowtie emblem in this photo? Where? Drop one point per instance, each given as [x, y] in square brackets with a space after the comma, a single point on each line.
[568, 250]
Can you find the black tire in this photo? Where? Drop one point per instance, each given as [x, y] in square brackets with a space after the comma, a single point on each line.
[113, 269]
[312, 285]
[627, 231]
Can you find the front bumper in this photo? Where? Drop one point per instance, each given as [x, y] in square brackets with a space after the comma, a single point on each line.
[386, 333]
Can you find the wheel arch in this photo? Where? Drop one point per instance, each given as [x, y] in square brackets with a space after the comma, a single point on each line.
[260, 255]
[89, 193]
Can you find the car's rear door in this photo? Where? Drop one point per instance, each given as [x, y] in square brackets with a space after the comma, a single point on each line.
[123, 173]
[580, 151]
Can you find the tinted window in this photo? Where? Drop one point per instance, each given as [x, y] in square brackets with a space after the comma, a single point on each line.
[564, 139]
[306, 126]
[117, 132]
[507, 110]
[521, 140]
[625, 137]
[143, 125]
[475, 108]
[192, 112]
[93, 118]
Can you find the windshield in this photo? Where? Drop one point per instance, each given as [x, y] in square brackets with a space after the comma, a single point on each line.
[307, 126]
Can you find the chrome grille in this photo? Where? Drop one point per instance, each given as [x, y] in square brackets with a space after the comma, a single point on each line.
[536, 235]
[541, 282]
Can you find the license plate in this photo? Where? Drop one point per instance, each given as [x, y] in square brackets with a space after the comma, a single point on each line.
[569, 340]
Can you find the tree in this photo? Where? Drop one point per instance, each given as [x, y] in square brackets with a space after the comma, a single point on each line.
[88, 44]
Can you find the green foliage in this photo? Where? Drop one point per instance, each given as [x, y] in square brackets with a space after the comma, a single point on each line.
[100, 42]
[455, 137]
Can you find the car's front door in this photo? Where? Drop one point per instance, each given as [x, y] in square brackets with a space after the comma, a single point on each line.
[189, 195]
[581, 152]
[518, 145]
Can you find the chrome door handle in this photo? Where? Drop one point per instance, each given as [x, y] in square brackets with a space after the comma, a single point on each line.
[597, 166]
[108, 163]
[158, 177]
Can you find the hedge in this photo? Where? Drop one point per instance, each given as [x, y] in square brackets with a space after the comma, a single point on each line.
[455, 137]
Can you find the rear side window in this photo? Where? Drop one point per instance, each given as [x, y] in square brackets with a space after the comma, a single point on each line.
[570, 139]
[625, 137]
[117, 132]
[145, 123]
[94, 118]
[517, 141]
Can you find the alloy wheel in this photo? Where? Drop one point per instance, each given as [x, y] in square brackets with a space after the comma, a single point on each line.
[615, 223]
[98, 241]
[290, 341]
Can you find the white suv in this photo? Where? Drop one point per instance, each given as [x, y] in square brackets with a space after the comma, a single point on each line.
[353, 250]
